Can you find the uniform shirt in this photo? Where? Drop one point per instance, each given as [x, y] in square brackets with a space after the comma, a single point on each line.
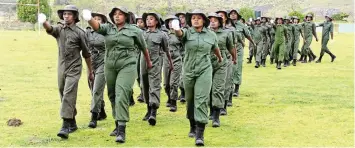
[225, 44]
[242, 29]
[308, 28]
[272, 33]
[280, 33]
[327, 29]
[71, 41]
[121, 44]
[175, 45]
[290, 31]
[198, 46]
[96, 43]
[267, 27]
[260, 33]
[157, 43]
[297, 31]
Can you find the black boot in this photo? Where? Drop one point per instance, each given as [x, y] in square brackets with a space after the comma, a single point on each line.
[93, 122]
[319, 59]
[310, 57]
[223, 111]
[236, 91]
[215, 121]
[146, 116]
[249, 59]
[168, 103]
[294, 61]
[263, 63]
[211, 113]
[313, 56]
[153, 116]
[121, 134]
[301, 58]
[257, 65]
[271, 61]
[331, 55]
[102, 114]
[199, 134]
[192, 132]
[115, 131]
[131, 100]
[140, 98]
[278, 65]
[304, 59]
[64, 131]
[182, 95]
[173, 106]
[285, 63]
[72, 125]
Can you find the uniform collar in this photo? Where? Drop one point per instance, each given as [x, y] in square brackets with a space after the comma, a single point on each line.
[204, 29]
[220, 29]
[70, 26]
[155, 31]
[125, 26]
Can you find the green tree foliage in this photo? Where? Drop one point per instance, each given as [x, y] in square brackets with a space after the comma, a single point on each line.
[29, 13]
[247, 13]
[340, 16]
[298, 14]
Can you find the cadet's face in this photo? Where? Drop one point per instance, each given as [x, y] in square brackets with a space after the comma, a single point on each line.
[287, 21]
[309, 19]
[140, 23]
[263, 20]
[295, 21]
[214, 22]
[170, 23]
[119, 17]
[68, 17]
[151, 21]
[197, 21]
[279, 21]
[98, 19]
[233, 15]
[258, 22]
[224, 17]
[182, 19]
[327, 19]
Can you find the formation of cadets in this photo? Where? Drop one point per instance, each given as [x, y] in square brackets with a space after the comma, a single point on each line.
[202, 55]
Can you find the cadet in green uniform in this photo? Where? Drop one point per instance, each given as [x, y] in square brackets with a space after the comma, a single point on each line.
[226, 45]
[265, 51]
[297, 32]
[96, 44]
[151, 79]
[280, 41]
[290, 35]
[228, 94]
[140, 24]
[309, 30]
[327, 29]
[71, 41]
[243, 30]
[174, 76]
[122, 39]
[251, 47]
[272, 40]
[182, 19]
[259, 36]
[132, 20]
[198, 42]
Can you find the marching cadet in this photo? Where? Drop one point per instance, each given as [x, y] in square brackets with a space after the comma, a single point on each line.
[297, 32]
[290, 35]
[175, 47]
[71, 41]
[280, 41]
[182, 19]
[151, 79]
[219, 75]
[265, 51]
[309, 29]
[251, 47]
[132, 20]
[197, 76]
[96, 43]
[259, 36]
[120, 62]
[140, 24]
[272, 35]
[327, 30]
[243, 30]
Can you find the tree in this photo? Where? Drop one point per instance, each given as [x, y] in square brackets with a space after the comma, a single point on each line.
[27, 13]
[340, 16]
[298, 14]
[247, 13]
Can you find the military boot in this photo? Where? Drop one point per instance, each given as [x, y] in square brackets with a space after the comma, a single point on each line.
[192, 132]
[182, 95]
[64, 131]
[215, 120]
[140, 98]
[223, 111]
[301, 58]
[168, 103]
[153, 116]
[263, 63]
[115, 131]
[294, 61]
[131, 101]
[173, 106]
[102, 114]
[121, 134]
[271, 61]
[278, 65]
[257, 65]
[236, 91]
[319, 59]
[249, 59]
[93, 122]
[285, 63]
[72, 125]
[304, 59]
[199, 134]
[146, 116]
[331, 55]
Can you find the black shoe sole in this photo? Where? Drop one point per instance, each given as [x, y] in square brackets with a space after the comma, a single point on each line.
[92, 126]
[152, 121]
[199, 143]
[72, 130]
[120, 140]
[63, 135]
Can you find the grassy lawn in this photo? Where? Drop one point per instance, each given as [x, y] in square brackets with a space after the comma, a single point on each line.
[308, 105]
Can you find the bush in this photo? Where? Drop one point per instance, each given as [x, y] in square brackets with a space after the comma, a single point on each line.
[29, 13]
[247, 13]
[340, 16]
[298, 14]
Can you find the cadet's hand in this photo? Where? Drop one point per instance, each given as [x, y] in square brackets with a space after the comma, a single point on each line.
[87, 15]
[175, 24]
[220, 60]
[91, 76]
[149, 64]
[42, 18]
[171, 66]
[317, 39]
[234, 61]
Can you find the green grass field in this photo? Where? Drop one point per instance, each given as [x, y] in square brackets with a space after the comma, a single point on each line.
[308, 105]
